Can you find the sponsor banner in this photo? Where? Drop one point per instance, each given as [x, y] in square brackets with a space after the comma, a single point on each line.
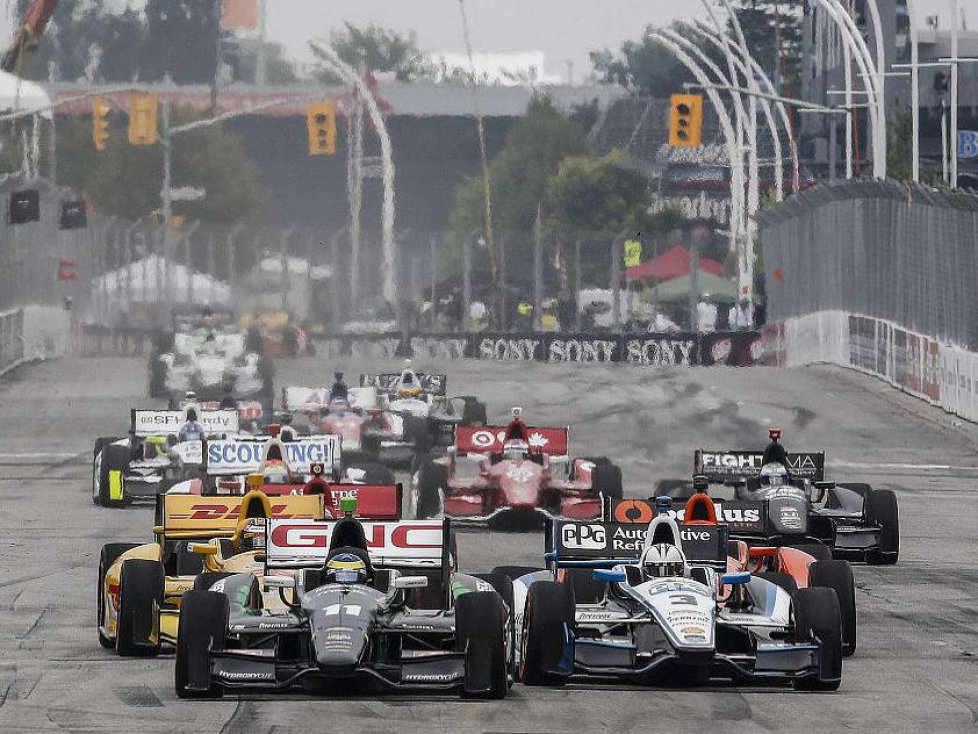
[740, 349]
[490, 440]
[248, 410]
[169, 422]
[601, 541]
[290, 541]
[183, 512]
[739, 516]
[243, 456]
[721, 466]
[388, 382]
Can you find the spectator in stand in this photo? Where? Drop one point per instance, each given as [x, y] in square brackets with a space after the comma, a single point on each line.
[524, 314]
[741, 315]
[706, 312]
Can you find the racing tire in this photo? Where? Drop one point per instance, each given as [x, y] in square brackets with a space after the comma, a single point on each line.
[503, 584]
[860, 488]
[474, 413]
[432, 480]
[110, 552]
[818, 551]
[785, 580]
[548, 645]
[203, 627]
[417, 432]
[587, 589]
[606, 478]
[114, 459]
[882, 509]
[514, 572]
[185, 561]
[100, 443]
[837, 575]
[817, 619]
[481, 626]
[140, 599]
[206, 580]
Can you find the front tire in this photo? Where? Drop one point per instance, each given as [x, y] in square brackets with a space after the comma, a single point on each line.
[817, 619]
[481, 631]
[837, 575]
[606, 478]
[548, 643]
[110, 469]
[140, 599]
[110, 553]
[203, 627]
[432, 481]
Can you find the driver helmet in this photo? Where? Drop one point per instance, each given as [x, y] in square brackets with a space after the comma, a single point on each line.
[663, 560]
[253, 537]
[338, 376]
[191, 414]
[154, 447]
[346, 568]
[773, 475]
[516, 450]
[275, 472]
[190, 396]
[408, 386]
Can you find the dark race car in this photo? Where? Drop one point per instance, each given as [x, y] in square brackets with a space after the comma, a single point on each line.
[509, 474]
[782, 498]
[351, 609]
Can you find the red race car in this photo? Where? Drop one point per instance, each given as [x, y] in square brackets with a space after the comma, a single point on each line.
[505, 475]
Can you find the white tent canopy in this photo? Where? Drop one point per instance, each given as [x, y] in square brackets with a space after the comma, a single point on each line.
[20, 95]
[157, 279]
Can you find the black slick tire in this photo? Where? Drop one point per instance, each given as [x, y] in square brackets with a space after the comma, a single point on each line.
[203, 627]
[432, 479]
[785, 580]
[837, 575]
[114, 458]
[818, 620]
[606, 478]
[547, 621]
[480, 630]
[110, 552]
[882, 509]
[140, 598]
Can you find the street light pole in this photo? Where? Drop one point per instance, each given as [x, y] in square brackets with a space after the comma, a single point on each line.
[914, 90]
[953, 142]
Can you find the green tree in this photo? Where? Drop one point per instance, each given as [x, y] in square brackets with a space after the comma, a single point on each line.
[645, 66]
[381, 49]
[181, 41]
[899, 150]
[773, 32]
[125, 179]
[596, 194]
[242, 55]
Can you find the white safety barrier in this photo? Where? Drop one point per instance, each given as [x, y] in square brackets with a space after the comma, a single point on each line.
[33, 333]
[920, 365]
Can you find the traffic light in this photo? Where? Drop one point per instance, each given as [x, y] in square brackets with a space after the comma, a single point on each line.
[686, 120]
[321, 119]
[142, 118]
[100, 123]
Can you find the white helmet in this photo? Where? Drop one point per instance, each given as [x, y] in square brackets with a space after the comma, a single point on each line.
[663, 560]
[773, 475]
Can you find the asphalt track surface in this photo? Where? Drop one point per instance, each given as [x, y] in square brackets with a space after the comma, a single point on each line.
[915, 669]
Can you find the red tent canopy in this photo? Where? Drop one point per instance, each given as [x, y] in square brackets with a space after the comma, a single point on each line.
[673, 263]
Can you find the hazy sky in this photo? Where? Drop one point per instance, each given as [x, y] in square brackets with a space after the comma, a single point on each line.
[563, 29]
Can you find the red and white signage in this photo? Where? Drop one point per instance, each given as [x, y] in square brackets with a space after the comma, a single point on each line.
[490, 440]
[292, 542]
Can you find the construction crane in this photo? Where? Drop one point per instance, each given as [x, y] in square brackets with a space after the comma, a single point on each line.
[28, 36]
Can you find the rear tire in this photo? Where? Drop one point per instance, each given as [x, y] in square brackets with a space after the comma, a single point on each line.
[140, 599]
[114, 459]
[514, 572]
[882, 510]
[837, 575]
[481, 624]
[548, 622]
[432, 480]
[474, 413]
[205, 580]
[606, 478]
[110, 553]
[817, 619]
[587, 590]
[203, 626]
[817, 551]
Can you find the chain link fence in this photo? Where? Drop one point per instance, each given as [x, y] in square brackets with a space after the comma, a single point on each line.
[882, 249]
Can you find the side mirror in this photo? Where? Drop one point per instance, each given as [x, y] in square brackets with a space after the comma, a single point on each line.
[279, 582]
[202, 549]
[611, 575]
[410, 582]
[739, 578]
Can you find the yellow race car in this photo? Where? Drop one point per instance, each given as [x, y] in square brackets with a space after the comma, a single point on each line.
[140, 587]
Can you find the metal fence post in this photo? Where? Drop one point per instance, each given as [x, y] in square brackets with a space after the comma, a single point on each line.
[616, 245]
[577, 283]
[538, 274]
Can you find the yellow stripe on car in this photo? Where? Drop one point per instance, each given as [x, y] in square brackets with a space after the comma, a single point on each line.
[115, 484]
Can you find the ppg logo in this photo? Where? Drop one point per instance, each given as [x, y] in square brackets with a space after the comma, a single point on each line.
[583, 536]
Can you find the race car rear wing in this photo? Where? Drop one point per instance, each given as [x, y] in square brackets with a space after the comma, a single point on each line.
[733, 466]
[313, 398]
[245, 455]
[194, 516]
[293, 543]
[490, 440]
[386, 382]
[374, 501]
[598, 544]
[258, 411]
[145, 423]
[740, 516]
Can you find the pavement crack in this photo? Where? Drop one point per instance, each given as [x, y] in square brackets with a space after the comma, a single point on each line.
[956, 699]
[33, 627]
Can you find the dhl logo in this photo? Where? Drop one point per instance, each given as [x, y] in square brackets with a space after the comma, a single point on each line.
[217, 512]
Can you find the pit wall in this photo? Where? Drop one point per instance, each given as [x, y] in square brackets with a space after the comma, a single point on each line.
[927, 368]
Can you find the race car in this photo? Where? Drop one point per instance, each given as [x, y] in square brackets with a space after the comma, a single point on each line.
[284, 459]
[347, 612]
[152, 458]
[140, 586]
[784, 500]
[668, 612]
[789, 567]
[514, 481]
[209, 360]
